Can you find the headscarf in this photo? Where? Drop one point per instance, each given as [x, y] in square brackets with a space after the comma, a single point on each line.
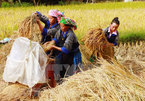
[57, 14]
[68, 21]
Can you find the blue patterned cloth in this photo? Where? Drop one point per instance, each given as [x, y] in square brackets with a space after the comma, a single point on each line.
[38, 13]
[44, 32]
[77, 58]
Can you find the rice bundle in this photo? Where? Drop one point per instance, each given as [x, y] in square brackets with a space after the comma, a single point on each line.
[97, 44]
[30, 29]
[48, 45]
[85, 54]
[109, 82]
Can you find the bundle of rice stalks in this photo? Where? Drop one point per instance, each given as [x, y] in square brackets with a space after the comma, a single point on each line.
[48, 45]
[30, 29]
[97, 44]
[109, 82]
[16, 92]
[85, 54]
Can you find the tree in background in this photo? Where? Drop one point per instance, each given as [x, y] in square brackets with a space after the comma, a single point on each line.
[53, 2]
[36, 2]
[0, 3]
[19, 1]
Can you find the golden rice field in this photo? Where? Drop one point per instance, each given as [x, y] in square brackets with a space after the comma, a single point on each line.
[121, 80]
[131, 16]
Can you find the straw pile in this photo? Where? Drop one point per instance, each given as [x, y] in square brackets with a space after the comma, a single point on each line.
[16, 92]
[109, 82]
[4, 51]
[96, 43]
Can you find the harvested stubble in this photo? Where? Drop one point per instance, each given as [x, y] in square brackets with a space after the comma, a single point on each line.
[109, 82]
[96, 42]
[133, 51]
[135, 66]
[132, 55]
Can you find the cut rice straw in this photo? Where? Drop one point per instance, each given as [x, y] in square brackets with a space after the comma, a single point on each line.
[109, 82]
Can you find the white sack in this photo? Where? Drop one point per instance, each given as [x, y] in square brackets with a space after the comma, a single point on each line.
[26, 63]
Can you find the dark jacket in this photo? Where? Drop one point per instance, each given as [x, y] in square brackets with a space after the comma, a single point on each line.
[68, 43]
[48, 32]
[113, 38]
[69, 46]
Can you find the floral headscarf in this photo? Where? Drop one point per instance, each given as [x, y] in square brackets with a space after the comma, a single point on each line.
[57, 14]
[68, 21]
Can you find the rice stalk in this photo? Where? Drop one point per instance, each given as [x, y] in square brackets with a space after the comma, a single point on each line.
[97, 44]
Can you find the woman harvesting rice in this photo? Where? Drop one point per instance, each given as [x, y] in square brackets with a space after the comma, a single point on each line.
[67, 46]
[111, 32]
[51, 24]
[101, 45]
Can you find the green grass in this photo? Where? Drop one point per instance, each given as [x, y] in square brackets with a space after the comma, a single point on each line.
[132, 37]
[131, 16]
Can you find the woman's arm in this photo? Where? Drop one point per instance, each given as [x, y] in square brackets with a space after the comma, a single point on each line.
[40, 25]
[57, 48]
[49, 46]
[44, 19]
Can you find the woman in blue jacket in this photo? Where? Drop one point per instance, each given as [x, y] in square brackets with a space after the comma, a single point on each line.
[68, 54]
[51, 24]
